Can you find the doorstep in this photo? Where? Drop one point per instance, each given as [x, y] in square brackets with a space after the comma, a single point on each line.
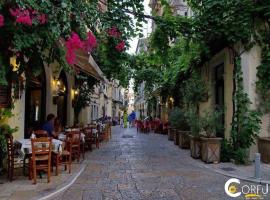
[23, 189]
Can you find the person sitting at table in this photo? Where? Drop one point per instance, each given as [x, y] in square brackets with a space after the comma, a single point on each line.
[49, 126]
[58, 128]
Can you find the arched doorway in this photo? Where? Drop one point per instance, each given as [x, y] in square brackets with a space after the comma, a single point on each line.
[35, 101]
[62, 98]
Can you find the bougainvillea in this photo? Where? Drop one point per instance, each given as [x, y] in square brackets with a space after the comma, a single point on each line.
[114, 32]
[91, 42]
[27, 16]
[2, 20]
[22, 16]
[120, 46]
[73, 43]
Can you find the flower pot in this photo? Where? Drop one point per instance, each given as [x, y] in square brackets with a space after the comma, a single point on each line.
[171, 134]
[264, 149]
[211, 149]
[176, 137]
[184, 139]
[195, 146]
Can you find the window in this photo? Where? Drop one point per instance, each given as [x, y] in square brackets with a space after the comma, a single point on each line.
[5, 96]
[185, 13]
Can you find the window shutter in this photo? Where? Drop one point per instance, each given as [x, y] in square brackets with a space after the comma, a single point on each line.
[5, 96]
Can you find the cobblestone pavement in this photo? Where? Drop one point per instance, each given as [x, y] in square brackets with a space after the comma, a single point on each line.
[144, 166]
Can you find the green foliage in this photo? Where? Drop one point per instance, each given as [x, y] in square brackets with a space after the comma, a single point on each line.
[241, 156]
[195, 121]
[263, 82]
[226, 151]
[246, 123]
[194, 90]
[178, 119]
[211, 122]
[85, 85]
[5, 114]
[63, 18]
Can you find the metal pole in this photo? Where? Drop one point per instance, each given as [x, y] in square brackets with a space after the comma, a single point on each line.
[257, 165]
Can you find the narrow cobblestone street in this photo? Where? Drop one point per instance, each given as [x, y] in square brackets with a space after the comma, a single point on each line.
[144, 166]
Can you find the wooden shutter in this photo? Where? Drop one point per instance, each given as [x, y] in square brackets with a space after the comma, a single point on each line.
[5, 96]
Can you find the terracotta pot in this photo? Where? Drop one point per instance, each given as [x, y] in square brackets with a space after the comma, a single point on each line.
[176, 137]
[195, 146]
[264, 149]
[184, 139]
[171, 134]
[211, 149]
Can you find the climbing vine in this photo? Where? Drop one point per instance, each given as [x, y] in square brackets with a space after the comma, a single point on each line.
[246, 123]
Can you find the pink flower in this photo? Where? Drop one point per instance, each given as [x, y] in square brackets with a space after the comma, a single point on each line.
[120, 46]
[2, 20]
[91, 42]
[73, 43]
[15, 12]
[22, 16]
[24, 20]
[42, 18]
[113, 32]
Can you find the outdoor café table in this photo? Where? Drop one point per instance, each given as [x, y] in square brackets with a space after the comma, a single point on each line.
[26, 149]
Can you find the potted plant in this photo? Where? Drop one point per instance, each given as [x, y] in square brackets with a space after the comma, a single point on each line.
[179, 125]
[196, 126]
[173, 119]
[211, 145]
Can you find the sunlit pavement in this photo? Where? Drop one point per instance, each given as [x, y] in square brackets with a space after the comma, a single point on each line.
[144, 166]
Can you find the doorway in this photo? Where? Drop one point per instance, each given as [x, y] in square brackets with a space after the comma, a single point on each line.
[35, 103]
[219, 96]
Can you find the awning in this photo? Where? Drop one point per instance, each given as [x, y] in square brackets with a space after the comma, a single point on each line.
[87, 64]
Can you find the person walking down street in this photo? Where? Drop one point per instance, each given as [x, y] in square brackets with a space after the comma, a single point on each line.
[121, 122]
[125, 119]
[131, 119]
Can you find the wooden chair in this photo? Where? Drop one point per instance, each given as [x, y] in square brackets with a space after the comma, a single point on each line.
[64, 157]
[110, 130]
[13, 160]
[41, 157]
[89, 138]
[41, 133]
[106, 133]
[75, 137]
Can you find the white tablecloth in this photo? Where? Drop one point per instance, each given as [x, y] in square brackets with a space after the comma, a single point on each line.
[26, 144]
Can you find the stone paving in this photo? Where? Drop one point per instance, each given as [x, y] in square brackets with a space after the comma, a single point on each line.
[144, 166]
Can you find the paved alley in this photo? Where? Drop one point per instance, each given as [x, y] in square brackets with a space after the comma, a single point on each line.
[144, 166]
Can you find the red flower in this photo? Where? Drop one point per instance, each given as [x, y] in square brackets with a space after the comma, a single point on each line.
[114, 32]
[120, 46]
[91, 42]
[2, 20]
[73, 43]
